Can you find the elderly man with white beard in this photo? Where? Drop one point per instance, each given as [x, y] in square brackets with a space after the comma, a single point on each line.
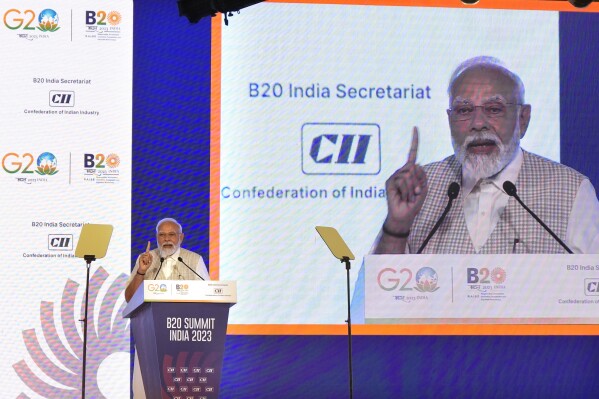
[166, 262]
[487, 117]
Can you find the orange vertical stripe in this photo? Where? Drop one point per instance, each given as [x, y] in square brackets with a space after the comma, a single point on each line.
[215, 101]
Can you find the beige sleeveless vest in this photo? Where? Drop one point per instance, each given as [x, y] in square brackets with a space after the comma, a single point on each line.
[546, 187]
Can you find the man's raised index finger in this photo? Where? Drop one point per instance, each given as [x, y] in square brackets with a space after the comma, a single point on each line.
[414, 147]
[148, 247]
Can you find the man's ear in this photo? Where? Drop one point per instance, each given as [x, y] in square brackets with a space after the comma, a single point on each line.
[524, 118]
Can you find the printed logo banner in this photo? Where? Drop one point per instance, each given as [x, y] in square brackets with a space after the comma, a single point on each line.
[65, 159]
[495, 289]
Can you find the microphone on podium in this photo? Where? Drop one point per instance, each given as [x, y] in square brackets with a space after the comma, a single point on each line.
[160, 267]
[180, 259]
[510, 189]
[452, 192]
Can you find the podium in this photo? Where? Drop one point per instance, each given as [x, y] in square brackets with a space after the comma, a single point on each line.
[179, 327]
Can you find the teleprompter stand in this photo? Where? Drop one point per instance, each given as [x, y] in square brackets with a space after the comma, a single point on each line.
[93, 244]
[341, 251]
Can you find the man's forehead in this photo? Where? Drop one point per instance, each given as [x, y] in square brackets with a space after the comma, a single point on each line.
[483, 84]
[168, 226]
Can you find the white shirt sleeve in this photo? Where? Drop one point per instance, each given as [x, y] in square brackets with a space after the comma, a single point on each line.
[582, 235]
[202, 270]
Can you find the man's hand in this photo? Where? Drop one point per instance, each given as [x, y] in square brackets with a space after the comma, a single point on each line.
[145, 260]
[406, 191]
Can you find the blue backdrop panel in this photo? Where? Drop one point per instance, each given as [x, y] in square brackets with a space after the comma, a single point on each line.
[579, 87]
[171, 124]
[410, 367]
[171, 178]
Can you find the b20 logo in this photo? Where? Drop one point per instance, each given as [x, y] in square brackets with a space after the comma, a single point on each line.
[485, 276]
[341, 149]
[100, 18]
[100, 161]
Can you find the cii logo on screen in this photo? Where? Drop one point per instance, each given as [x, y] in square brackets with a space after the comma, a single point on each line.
[59, 98]
[341, 149]
[591, 286]
[60, 242]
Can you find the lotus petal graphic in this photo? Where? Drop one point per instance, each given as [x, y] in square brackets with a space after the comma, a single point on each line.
[427, 286]
[46, 170]
[104, 337]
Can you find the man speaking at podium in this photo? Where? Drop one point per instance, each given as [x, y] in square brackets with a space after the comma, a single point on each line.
[487, 118]
[167, 262]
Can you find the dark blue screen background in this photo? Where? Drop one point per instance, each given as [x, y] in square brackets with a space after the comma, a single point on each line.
[171, 137]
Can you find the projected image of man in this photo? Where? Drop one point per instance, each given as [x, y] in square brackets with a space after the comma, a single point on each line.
[488, 116]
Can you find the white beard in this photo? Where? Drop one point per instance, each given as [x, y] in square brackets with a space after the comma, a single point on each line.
[168, 251]
[482, 166]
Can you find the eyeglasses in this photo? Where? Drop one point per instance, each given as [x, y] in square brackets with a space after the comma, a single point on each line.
[170, 235]
[466, 111]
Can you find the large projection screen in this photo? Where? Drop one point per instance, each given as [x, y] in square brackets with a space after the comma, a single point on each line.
[286, 75]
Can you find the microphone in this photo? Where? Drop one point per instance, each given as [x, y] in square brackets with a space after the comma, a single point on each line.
[452, 193]
[180, 259]
[160, 267]
[510, 190]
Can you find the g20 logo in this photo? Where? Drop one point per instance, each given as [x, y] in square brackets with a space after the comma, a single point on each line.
[157, 287]
[47, 20]
[46, 163]
[389, 279]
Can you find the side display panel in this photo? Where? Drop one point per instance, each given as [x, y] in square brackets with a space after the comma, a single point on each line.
[65, 161]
